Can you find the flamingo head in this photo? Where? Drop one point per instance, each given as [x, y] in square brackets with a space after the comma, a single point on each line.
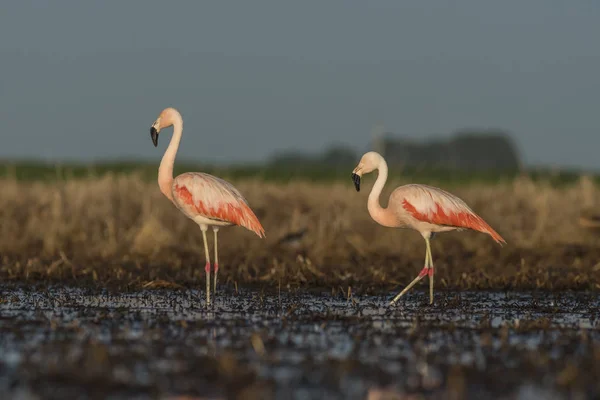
[167, 117]
[368, 163]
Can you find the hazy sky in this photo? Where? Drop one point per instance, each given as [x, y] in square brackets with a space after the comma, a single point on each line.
[85, 80]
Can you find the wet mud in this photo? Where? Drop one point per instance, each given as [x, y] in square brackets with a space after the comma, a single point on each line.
[59, 343]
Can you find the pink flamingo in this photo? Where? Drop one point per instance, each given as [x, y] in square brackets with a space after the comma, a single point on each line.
[205, 199]
[426, 209]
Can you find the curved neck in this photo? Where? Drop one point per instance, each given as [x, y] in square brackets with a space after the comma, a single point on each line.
[377, 212]
[165, 170]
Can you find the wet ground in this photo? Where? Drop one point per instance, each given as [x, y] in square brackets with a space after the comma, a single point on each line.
[73, 343]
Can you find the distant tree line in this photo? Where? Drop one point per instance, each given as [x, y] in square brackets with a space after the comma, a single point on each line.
[480, 150]
[463, 150]
[335, 156]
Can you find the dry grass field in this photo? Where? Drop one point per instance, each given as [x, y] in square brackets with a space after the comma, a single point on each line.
[119, 231]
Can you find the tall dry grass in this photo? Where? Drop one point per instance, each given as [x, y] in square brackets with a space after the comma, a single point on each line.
[121, 230]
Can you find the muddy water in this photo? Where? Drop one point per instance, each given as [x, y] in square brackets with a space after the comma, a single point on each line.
[74, 343]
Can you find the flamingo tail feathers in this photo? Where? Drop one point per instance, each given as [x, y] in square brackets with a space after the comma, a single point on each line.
[460, 218]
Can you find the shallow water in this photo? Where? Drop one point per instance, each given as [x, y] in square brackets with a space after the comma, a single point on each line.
[75, 343]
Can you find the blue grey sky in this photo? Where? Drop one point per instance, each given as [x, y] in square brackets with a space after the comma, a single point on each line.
[84, 80]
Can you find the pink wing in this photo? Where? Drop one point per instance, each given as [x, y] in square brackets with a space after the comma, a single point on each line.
[436, 206]
[196, 193]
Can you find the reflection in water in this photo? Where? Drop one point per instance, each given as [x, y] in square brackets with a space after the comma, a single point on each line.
[155, 343]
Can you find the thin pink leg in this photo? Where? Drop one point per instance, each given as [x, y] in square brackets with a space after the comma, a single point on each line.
[421, 275]
[215, 230]
[207, 267]
[426, 271]
[431, 285]
[429, 262]
[216, 270]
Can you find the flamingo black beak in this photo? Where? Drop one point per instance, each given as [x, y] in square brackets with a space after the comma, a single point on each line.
[356, 180]
[154, 136]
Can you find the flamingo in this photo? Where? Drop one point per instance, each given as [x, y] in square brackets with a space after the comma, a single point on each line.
[426, 209]
[205, 199]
